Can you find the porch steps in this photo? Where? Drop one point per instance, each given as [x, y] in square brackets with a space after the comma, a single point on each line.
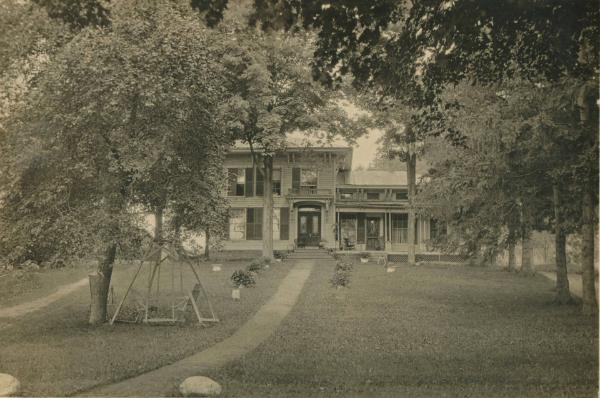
[316, 254]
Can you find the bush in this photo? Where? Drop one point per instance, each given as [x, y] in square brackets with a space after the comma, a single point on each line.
[241, 278]
[343, 265]
[340, 279]
[255, 266]
[341, 274]
[364, 255]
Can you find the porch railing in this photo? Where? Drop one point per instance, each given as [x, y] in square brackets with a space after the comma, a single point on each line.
[310, 191]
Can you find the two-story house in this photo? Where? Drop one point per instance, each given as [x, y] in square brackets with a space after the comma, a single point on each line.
[319, 201]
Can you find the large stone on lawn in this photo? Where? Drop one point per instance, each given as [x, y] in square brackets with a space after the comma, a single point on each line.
[199, 386]
[9, 385]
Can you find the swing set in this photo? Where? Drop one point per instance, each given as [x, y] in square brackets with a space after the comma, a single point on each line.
[170, 305]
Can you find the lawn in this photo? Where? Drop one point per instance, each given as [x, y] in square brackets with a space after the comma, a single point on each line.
[53, 352]
[20, 286]
[452, 331]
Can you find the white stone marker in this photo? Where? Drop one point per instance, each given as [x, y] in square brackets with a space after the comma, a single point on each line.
[9, 385]
[216, 267]
[199, 386]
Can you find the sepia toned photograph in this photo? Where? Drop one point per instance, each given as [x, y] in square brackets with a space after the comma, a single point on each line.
[299, 198]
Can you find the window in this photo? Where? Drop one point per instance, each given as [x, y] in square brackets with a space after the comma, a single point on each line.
[260, 182]
[284, 223]
[348, 230]
[254, 223]
[276, 224]
[402, 195]
[237, 226]
[399, 228]
[277, 181]
[346, 195]
[372, 195]
[236, 179]
[308, 178]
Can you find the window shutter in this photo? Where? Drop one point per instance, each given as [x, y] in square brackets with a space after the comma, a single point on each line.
[258, 220]
[249, 182]
[260, 181]
[296, 178]
[232, 181]
[284, 223]
[360, 233]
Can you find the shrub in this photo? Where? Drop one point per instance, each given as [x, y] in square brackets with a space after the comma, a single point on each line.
[343, 265]
[255, 266]
[364, 255]
[241, 278]
[340, 279]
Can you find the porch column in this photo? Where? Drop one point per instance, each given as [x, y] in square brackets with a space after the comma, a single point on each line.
[338, 237]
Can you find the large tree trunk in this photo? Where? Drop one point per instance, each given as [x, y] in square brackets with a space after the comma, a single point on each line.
[587, 255]
[563, 296]
[267, 228]
[99, 286]
[411, 176]
[207, 244]
[512, 259]
[527, 254]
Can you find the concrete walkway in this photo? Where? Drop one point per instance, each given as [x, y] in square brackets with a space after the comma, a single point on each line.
[34, 305]
[165, 381]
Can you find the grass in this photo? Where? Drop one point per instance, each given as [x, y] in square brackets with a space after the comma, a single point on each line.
[424, 331]
[21, 286]
[54, 352]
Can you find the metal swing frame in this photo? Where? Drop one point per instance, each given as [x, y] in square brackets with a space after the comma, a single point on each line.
[177, 305]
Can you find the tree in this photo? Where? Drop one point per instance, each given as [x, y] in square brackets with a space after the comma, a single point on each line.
[114, 108]
[274, 95]
[411, 51]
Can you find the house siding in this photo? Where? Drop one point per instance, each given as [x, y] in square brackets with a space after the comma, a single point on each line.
[328, 178]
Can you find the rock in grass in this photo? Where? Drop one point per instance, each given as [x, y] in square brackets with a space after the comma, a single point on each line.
[199, 386]
[9, 385]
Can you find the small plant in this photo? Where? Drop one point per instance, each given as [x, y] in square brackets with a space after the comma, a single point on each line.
[343, 266]
[241, 278]
[364, 255]
[340, 279]
[255, 266]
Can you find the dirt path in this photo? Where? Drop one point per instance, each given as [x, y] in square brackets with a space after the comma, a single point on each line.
[165, 381]
[37, 304]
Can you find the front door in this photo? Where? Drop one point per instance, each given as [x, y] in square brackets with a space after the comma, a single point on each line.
[309, 229]
[373, 241]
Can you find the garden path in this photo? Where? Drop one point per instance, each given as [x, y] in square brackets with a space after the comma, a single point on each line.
[37, 304]
[165, 381]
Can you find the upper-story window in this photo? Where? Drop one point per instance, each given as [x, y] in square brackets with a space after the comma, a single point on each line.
[308, 178]
[401, 195]
[250, 182]
[237, 182]
[277, 181]
[304, 179]
[346, 195]
[372, 195]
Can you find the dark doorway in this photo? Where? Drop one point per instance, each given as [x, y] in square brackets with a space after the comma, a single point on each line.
[309, 227]
[373, 239]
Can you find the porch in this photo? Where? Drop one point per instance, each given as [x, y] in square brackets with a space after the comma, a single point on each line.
[378, 230]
